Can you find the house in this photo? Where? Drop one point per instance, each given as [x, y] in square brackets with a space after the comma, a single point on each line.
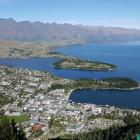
[14, 114]
[75, 128]
[97, 110]
[38, 127]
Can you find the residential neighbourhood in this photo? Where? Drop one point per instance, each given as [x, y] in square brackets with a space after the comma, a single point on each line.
[25, 93]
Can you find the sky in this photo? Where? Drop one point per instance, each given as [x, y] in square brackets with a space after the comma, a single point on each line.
[117, 13]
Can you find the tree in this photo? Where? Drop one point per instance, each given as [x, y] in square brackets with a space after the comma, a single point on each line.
[9, 131]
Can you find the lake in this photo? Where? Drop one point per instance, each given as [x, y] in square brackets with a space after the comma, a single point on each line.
[126, 57]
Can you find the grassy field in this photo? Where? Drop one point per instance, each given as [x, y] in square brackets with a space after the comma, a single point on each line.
[19, 119]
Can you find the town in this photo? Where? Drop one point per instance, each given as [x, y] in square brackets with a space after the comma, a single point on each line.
[26, 96]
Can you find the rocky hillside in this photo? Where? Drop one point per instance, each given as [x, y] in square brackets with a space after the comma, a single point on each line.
[39, 31]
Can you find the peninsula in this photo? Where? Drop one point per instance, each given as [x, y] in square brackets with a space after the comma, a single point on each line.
[10, 49]
[76, 63]
[118, 83]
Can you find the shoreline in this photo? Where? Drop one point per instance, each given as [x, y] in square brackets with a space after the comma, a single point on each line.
[84, 69]
[62, 56]
[119, 89]
[83, 64]
[124, 89]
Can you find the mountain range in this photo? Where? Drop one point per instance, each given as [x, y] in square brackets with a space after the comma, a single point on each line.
[39, 31]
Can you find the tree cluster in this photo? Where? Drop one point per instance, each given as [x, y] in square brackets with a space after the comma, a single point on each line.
[9, 130]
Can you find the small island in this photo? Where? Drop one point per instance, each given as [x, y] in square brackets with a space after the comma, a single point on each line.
[76, 63]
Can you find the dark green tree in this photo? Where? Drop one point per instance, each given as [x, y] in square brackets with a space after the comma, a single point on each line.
[9, 131]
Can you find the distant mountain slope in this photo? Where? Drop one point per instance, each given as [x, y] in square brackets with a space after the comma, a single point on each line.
[38, 31]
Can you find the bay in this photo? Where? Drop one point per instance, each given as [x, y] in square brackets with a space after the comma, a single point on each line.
[123, 99]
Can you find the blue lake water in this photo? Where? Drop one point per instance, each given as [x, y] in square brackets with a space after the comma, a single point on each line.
[126, 57]
[124, 99]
